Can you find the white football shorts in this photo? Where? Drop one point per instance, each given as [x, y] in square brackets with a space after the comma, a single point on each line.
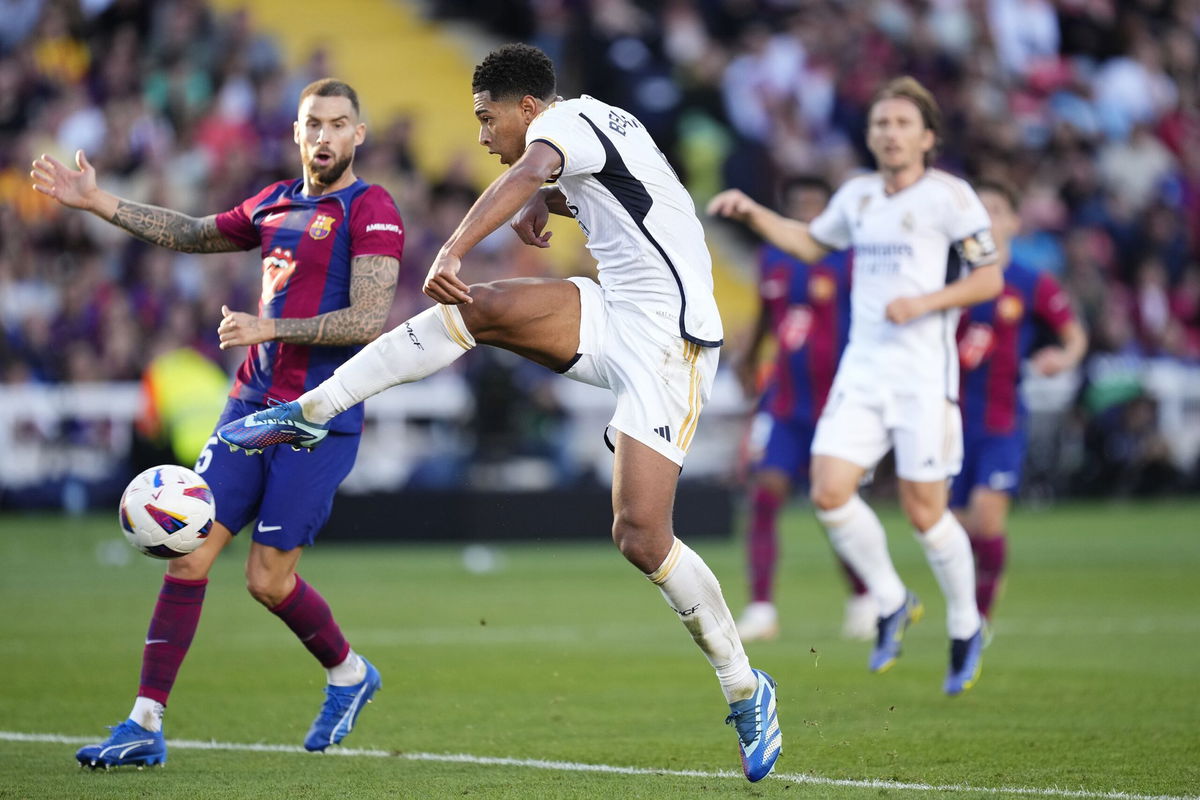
[861, 425]
[661, 380]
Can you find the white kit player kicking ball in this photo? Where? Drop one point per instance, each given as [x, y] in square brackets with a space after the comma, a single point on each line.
[897, 383]
[649, 331]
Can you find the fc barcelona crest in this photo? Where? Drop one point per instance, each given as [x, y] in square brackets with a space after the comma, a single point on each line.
[321, 226]
[821, 288]
[1010, 308]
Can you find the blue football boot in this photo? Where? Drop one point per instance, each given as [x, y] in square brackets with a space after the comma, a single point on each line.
[129, 745]
[891, 633]
[280, 423]
[759, 739]
[966, 662]
[341, 709]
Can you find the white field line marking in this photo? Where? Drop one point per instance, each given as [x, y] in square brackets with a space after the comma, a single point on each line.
[475, 635]
[574, 766]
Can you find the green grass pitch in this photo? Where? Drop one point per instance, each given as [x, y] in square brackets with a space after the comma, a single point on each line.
[563, 653]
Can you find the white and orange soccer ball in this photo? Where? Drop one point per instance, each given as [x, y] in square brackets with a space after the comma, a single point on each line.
[167, 511]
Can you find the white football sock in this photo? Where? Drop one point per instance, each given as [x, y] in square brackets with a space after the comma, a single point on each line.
[147, 713]
[858, 537]
[693, 592]
[948, 550]
[412, 350]
[351, 671]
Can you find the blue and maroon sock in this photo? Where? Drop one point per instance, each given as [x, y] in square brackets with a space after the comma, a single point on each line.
[990, 556]
[172, 627]
[762, 545]
[309, 617]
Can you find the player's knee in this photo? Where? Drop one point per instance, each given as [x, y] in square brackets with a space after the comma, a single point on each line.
[484, 316]
[637, 537]
[923, 515]
[774, 482]
[266, 588]
[826, 496]
[192, 567]
[987, 529]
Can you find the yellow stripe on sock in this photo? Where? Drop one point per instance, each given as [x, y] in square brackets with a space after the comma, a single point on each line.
[456, 333]
[660, 575]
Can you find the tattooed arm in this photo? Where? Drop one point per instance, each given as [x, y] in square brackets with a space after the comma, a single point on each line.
[161, 226]
[171, 229]
[372, 289]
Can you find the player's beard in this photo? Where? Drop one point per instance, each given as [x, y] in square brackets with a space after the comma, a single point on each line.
[330, 173]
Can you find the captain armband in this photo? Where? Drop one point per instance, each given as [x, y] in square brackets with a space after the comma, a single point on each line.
[977, 250]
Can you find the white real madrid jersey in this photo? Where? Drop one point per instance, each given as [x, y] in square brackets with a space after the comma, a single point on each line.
[640, 222]
[903, 248]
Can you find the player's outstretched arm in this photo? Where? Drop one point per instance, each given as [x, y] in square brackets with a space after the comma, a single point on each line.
[372, 289]
[788, 235]
[161, 226]
[498, 204]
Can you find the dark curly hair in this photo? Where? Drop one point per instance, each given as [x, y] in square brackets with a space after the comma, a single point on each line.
[513, 71]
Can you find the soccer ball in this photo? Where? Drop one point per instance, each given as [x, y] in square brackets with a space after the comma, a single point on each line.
[167, 511]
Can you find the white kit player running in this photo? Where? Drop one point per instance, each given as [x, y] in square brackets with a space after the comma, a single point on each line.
[649, 331]
[897, 383]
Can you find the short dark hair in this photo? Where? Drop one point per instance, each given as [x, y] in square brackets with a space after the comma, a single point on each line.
[331, 87]
[1003, 188]
[909, 88]
[513, 71]
[801, 182]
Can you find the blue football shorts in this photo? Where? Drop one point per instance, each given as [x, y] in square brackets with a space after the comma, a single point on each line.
[787, 447]
[989, 462]
[288, 494]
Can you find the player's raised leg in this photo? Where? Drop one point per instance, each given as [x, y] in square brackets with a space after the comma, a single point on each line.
[644, 484]
[533, 317]
[948, 551]
[138, 740]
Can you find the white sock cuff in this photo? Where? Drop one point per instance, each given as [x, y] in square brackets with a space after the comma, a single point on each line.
[147, 713]
[841, 514]
[940, 534]
[451, 317]
[664, 570]
[350, 671]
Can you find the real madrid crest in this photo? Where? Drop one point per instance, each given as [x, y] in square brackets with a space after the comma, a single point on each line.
[321, 226]
[907, 222]
[863, 202]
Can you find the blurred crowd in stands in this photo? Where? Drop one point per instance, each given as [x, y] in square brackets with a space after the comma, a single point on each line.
[1089, 106]
[182, 107]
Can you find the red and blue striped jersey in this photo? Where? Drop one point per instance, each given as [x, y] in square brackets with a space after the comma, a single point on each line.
[308, 244]
[994, 337]
[808, 310]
